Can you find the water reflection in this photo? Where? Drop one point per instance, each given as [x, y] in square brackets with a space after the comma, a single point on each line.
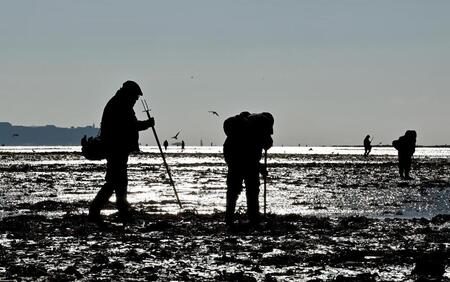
[327, 181]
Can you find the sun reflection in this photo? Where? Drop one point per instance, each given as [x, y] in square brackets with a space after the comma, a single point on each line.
[326, 181]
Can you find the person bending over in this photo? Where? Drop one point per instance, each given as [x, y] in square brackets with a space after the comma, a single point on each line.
[247, 136]
[406, 146]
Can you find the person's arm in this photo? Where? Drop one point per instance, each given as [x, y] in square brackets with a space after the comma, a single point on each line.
[263, 169]
[145, 124]
[413, 149]
[267, 142]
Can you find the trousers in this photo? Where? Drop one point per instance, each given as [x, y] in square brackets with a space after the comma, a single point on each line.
[404, 165]
[235, 178]
[116, 182]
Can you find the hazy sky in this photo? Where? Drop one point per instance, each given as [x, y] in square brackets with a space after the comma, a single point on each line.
[329, 71]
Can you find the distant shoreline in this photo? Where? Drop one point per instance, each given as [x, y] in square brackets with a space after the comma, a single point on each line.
[51, 135]
[48, 135]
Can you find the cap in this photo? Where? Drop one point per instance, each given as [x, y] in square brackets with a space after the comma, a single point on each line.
[132, 87]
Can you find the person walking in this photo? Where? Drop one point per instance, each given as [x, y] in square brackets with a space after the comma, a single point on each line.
[165, 144]
[247, 136]
[119, 132]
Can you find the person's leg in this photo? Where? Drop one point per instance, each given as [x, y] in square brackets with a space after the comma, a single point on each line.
[100, 200]
[401, 166]
[105, 192]
[234, 188]
[120, 179]
[252, 193]
[407, 166]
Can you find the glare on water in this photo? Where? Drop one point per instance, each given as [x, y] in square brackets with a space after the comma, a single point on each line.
[303, 180]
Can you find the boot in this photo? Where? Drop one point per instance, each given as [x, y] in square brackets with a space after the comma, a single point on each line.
[99, 202]
[126, 213]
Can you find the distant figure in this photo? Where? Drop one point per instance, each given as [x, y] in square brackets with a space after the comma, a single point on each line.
[120, 134]
[182, 144]
[247, 135]
[367, 146]
[406, 146]
[165, 144]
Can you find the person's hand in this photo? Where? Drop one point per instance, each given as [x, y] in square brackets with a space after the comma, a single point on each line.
[267, 142]
[263, 170]
[151, 122]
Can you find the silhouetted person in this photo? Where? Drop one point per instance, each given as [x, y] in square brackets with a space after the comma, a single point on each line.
[367, 146]
[182, 144]
[120, 133]
[406, 146]
[165, 144]
[247, 135]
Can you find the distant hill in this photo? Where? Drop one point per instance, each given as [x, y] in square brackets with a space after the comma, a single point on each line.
[50, 135]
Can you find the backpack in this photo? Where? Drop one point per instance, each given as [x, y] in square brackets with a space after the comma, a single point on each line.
[250, 130]
[396, 144]
[92, 148]
[236, 126]
[262, 123]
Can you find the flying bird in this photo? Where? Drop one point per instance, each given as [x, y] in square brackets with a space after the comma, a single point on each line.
[15, 135]
[176, 135]
[214, 113]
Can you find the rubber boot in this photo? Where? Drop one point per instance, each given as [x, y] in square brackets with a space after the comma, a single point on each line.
[99, 202]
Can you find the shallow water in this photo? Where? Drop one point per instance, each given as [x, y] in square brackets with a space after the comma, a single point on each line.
[333, 216]
[326, 181]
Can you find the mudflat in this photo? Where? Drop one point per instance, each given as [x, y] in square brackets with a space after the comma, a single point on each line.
[331, 218]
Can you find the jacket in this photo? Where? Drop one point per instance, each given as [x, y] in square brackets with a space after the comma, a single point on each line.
[120, 128]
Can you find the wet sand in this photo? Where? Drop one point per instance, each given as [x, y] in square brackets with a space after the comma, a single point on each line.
[196, 247]
[44, 233]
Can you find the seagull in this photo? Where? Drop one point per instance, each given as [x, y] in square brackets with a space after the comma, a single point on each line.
[213, 112]
[176, 135]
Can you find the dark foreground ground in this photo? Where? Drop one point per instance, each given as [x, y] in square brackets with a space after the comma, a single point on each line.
[52, 242]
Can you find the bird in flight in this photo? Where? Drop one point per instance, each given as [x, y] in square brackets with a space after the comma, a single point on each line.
[176, 135]
[214, 113]
[15, 135]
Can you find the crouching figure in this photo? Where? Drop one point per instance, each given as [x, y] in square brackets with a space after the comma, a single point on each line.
[247, 136]
[406, 146]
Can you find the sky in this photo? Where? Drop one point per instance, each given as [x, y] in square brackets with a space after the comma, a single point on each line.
[330, 72]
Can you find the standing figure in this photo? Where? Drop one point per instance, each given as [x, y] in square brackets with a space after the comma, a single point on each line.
[119, 132]
[165, 144]
[247, 135]
[367, 146]
[182, 144]
[406, 146]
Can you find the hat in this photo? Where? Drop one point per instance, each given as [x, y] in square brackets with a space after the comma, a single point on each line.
[267, 118]
[132, 87]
